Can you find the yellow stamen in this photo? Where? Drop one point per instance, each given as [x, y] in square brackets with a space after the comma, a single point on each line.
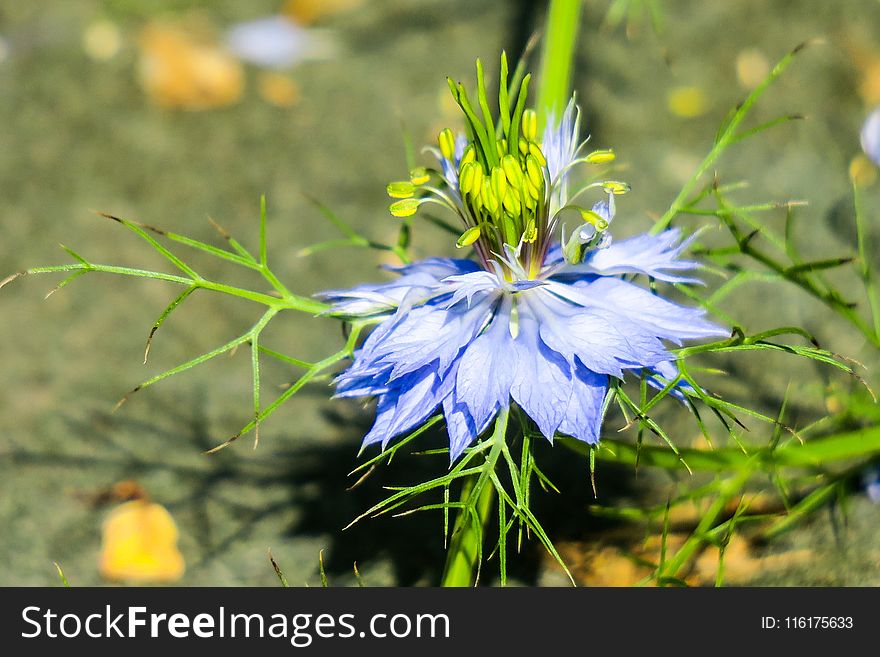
[512, 171]
[405, 208]
[468, 237]
[530, 125]
[401, 189]
[419, 176]
[601, 157]
[538, 154]
[615, 187]
[447, 143]
[596, 220]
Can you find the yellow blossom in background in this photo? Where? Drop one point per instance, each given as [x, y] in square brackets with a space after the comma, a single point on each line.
[306, 12]
[139, 544]
[278, 89]
[687, 102]
[102, 40]
[751, 68]
[179, 69]
[862, 171]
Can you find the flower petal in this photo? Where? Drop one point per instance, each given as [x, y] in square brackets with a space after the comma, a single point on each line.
[651, 255]
[542, 382]
[583, 417]
[604, 341]
[486, 369]
[653, 313]
[406, 405]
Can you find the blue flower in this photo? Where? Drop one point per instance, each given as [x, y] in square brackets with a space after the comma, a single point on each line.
[456, 337]
[870, 136]
[537, 319]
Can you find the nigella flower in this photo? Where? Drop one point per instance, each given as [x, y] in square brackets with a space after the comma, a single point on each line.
[532, 320]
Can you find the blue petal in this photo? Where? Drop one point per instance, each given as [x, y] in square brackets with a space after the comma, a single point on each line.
[583, 417]
[870, 136]
[406, 405]
[542, 382]
[426, 334]
[418, 281]
[460, 426]
[654, 314]
[651, 255]
[604, 341]
[486, 369]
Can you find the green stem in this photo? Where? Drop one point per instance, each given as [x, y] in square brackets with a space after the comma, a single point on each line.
[477, 496]
[557, 58]
[285, 302]
[463, 557]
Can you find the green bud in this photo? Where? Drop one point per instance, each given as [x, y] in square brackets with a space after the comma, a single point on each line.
[468, 237]
[401, 189]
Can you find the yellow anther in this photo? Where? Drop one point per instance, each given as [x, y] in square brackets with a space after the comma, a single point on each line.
[538, 154]
[511, 203]
[601, 157]
[488, 197]
[530, 125]
[468, 237]
[447, 143]
[615, 187]
[419, 176]
[535, 172]
[528, 200]
[512, 171]
[470, 154]
[595, 219]
[499, 183]
[532, 191]
[401, 189]
[523, 147]
[477, 184]
[405, 208]
[531, 232]
[501, 147]
[466, 177]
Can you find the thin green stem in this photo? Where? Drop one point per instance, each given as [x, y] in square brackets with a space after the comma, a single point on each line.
[727, 136]
[284, 302]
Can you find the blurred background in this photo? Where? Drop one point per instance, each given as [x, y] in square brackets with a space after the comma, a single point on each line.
[173, 111]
